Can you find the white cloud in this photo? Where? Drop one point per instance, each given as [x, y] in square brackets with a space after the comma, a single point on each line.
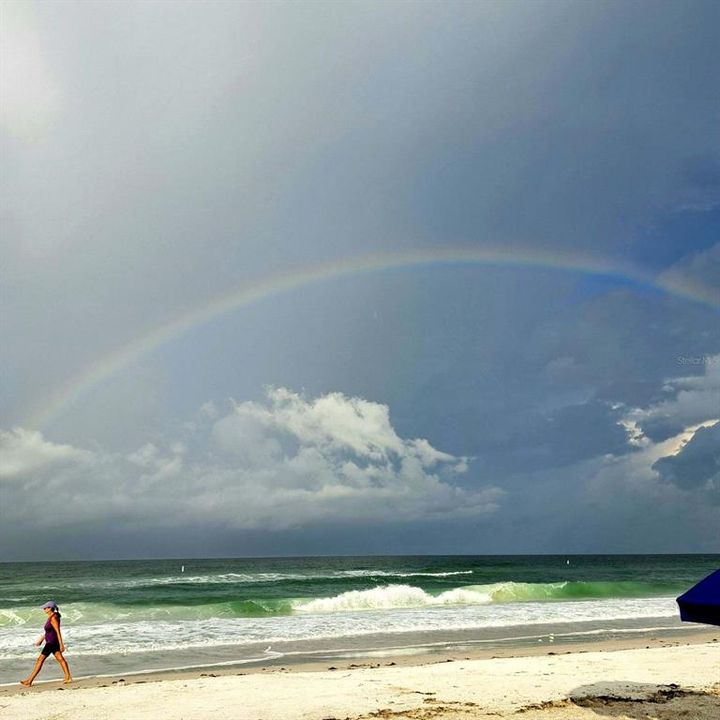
[335, 458]
[332, 422]
[30, 93]
[288, 462]
[209, 410]
[144, 456]
[156, 465]
[23, 452]
[635, 436]
[694, 399]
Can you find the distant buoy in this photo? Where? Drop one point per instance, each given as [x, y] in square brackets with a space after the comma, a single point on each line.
[182, 569]
[567, 562]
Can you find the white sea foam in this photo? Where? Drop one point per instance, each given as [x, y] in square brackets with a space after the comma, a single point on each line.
[383, 573]
[409, 596]
[149, 635]
[266, 577]
[392, 596]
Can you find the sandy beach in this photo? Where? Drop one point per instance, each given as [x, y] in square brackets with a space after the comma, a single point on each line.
[669, 679]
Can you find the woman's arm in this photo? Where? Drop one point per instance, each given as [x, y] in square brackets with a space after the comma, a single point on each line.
[56, 625]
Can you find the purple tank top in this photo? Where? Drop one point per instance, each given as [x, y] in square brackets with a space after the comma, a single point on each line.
[50, 634]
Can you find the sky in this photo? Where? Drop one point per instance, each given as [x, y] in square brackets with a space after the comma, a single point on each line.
[359, 278]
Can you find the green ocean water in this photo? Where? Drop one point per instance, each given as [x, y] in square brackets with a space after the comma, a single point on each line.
[249, 587]
[155, 606]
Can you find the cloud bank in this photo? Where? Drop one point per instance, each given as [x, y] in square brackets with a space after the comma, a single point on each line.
[287, 462]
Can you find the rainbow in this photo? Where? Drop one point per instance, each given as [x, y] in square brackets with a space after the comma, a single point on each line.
[290, 280]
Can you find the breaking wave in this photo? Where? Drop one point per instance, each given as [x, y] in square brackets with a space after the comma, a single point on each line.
[408, 596]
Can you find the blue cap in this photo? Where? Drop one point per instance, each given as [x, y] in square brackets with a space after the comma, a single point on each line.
[50, 604]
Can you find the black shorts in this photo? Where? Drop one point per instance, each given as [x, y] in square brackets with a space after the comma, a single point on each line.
[50, 649]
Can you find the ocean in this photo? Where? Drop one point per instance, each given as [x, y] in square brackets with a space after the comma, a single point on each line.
[137, 615]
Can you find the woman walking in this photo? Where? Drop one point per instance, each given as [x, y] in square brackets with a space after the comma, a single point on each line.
[53, 644]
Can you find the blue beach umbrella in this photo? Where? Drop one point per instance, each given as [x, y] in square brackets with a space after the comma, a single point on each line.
[701, 603]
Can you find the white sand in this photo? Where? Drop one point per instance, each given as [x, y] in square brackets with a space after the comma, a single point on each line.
[461, 689]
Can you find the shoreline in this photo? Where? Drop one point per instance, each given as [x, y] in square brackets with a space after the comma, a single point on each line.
[374, 659]
[406, 647]
[663, 682]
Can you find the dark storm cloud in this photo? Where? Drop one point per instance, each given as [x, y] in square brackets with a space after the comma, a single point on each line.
[661, 428]
[569, 435]
[704, 171]
[697, 465]
[597, 149]
[509, 392]
[627, 345]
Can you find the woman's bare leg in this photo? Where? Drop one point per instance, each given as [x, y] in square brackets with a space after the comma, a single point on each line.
[38, 664]
[63, 664]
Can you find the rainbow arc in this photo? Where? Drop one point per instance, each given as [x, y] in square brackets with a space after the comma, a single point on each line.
[292, 280]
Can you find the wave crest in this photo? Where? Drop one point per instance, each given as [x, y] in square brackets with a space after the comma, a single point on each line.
[389, 597]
